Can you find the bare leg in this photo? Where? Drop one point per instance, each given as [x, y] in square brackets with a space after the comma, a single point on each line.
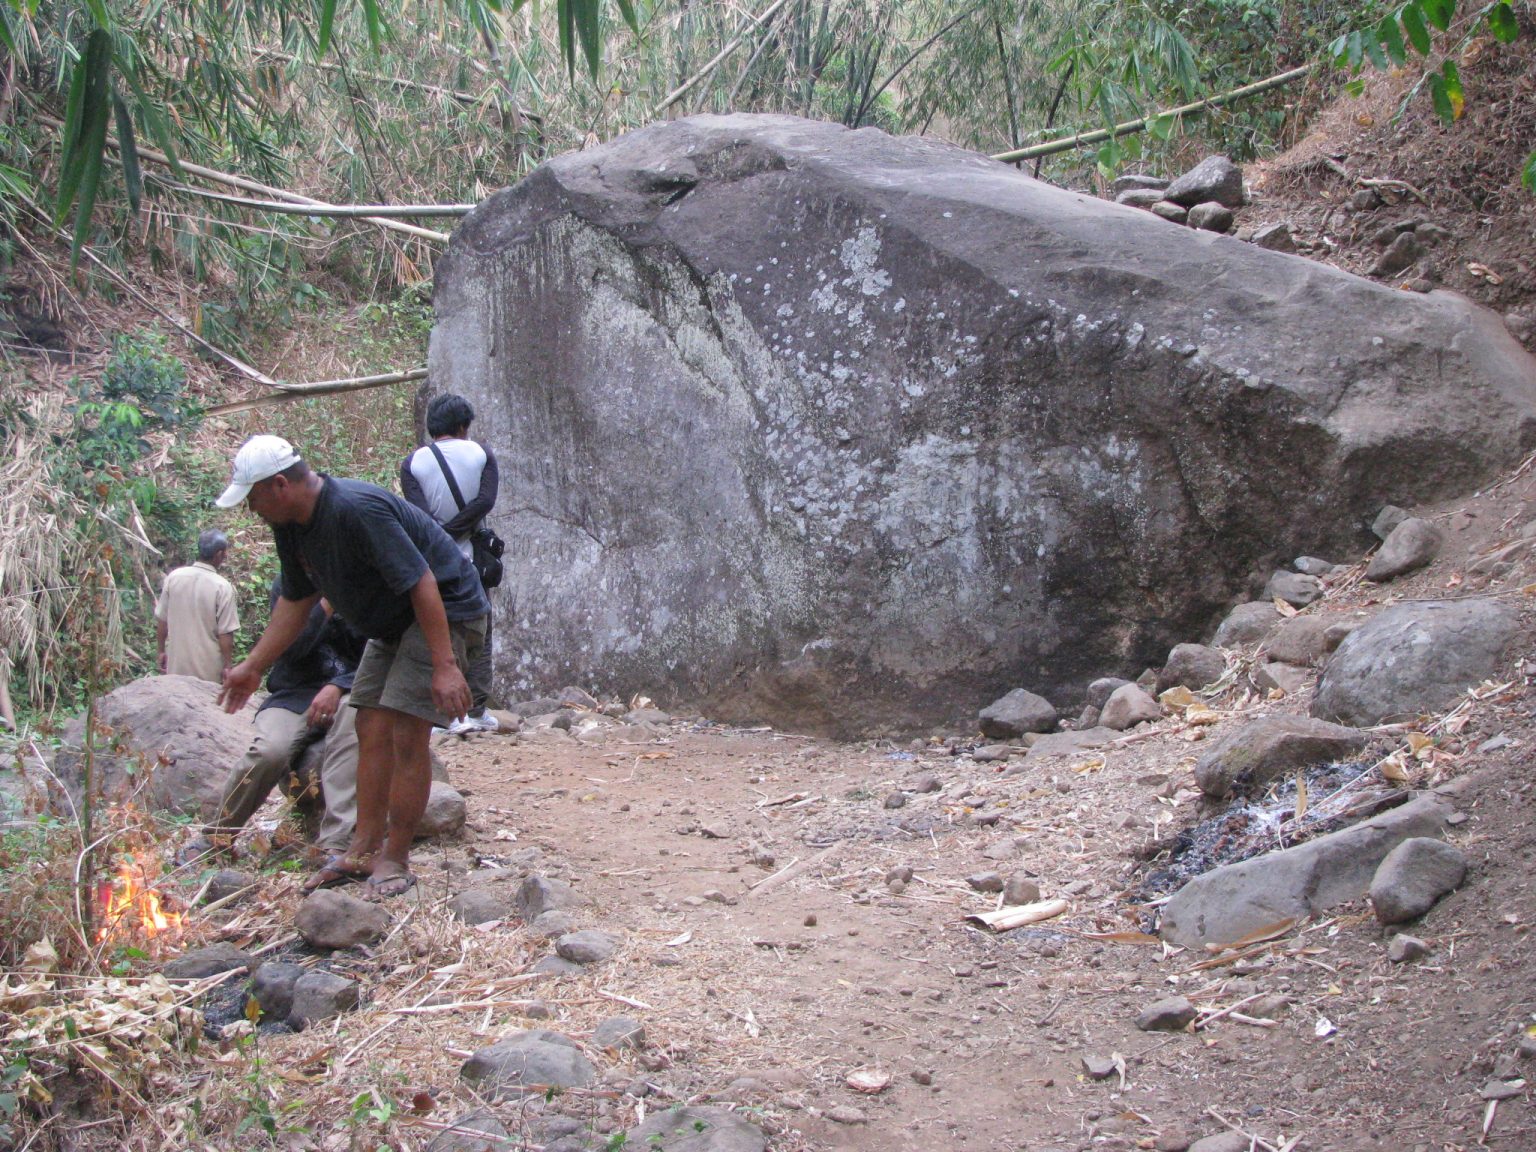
[409, 788]
[375, 770]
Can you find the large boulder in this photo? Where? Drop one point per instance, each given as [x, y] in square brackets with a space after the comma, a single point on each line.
[842, 432]
[164, 734]
[1415, 657]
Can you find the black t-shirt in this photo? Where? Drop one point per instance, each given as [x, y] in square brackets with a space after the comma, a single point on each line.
[365, 549]
[326, 652]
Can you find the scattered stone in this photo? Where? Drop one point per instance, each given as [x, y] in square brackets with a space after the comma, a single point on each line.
[1168, 210]
[1000, 850]
[1070, 743]
[1502, 1090]
[1136, 180]
[922, 1076]
[1100, 690]
[1222, 1142]
[555, 922]
[991, 753]
[272, 986]
[1294, 588]
[1387, 519]
[1412, 545]
[986, 881]
[1173, 1014]
[1172, 1140]
[477, 1131]
[1128, 706]
[1413, 658]
[1312, 566]
[715, 896]
[1299, 641]
[479, 906]
[1405, 949]
[846, 1114]
[896, 800]
[556, 966]
[1213, 179]
[1140, 197]
[1192, 666]
[1365, 200]
[1400, 255]
[1098, 1067]
[619, 1032]
[1247, 624]
[1211, 217]
[226, 883]
[1414, 876]
[204, 962]
[1015, 714]
[538, 1010]
[901, 872]
[1020, 889]
[925, 783]
[539, 894]
[1227, 903]
[1270, 747]
[1270, 1007]
[588, 946]
[445, 812]
[653, 716]
[1087, 718]
[531, 1061]
[1276, 237]
[319, 996]
[1287, 678]
[696, 1128]
[331, 919]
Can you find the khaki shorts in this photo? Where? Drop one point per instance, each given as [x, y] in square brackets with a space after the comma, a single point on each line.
[397, 674]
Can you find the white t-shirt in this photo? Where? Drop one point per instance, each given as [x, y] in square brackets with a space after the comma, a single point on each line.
[467, 459]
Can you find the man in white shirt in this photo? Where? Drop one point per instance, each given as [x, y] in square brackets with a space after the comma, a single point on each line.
[424, 483]
[195, 617]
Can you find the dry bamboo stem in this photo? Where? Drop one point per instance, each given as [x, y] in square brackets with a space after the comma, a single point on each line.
[287, 392]
[679, 92]
[344, 210]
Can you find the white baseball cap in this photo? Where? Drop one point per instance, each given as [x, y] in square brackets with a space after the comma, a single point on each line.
[259, 458]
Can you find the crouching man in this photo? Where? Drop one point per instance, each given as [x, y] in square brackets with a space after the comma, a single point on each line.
[394, 575]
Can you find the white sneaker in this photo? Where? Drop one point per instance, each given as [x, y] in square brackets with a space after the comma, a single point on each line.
[464, 725]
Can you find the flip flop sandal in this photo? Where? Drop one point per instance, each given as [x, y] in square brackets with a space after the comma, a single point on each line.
[336, 870]
[396, 884]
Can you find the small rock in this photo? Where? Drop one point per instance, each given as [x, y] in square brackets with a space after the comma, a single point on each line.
[538, 894]
[479, 906]
[695, 1128]
[1365, 200]
[1404, 949]
[1190, 666]
[1399, 256]
[1128, 706]
[1213, 179]
[1414, 876]
[1015, 714]
[1102, 689]
[557, 966]
[1136, 180]
[1312, 566]
[203, 962]
[619, 1033]
[1000, 850]
[330, 919]
[925, 783]
[1411, 545]
[445, 811]
[1173, 1014]
[1020, 889]
[715, 896]
[1139, 197]
[1299, 641]
[226, 883]
[986, 882]
[1211, 217]
[588, 946]
[846, 1114]
[991, 753]
[1285, 678]
[319, 996]
[896, 800]
[1295, 589]
[272, 986]
[1222, 1142]
[1172, 1140]
[901, 872]
[1168, 210]
[922, 1076]
[1387, 519]
[532, 1061]
[477, 1131]
[1502, 1089]
[1247, 624]
[1276, 237]
[1098, 1067]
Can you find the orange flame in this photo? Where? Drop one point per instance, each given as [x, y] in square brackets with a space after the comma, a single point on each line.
[130, 905]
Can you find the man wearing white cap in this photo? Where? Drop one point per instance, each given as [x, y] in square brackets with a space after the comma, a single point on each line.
[397, 578]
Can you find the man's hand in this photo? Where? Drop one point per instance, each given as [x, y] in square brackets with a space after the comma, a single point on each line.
[162, 661]
[322, 709]
[240, 682]
[450, 691]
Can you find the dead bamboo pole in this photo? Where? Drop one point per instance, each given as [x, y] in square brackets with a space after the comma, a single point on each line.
[345, 210]
[1083, 139]
[456, 94]
[287, 392]
[681, 90]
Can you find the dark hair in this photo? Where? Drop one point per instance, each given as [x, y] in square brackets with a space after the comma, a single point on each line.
[448, 413]
[210, 542]
[295, 471]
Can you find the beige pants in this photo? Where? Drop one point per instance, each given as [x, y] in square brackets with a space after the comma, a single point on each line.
[280, 734]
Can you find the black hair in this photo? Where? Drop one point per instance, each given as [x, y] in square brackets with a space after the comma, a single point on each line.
[447, 413]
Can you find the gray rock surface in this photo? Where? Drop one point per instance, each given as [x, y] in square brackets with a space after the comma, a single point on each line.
[1271, 746]
[1387, 519]
[1299, 641]
[1100, 690]
[332, 919]
[1296, 589]
[1415, 875]
[1191, 666]
[528, 1062]
[1229, 902]
[1173, 213]
[1247, 624]
[851, 391]
[1136, 180]
[1414, 658]
[1412, 545]
[588, 946]
[480, 906]
[209, 961]
[1288, 678]
[445, 812]
[1214, 179]
[319, 996]
[540, 894]
[696, 1128]
[618, 1032]
[1139, 197]
[273, 985]
[1128, 706]
[1015, 714]
[1210, 216]
[477, 1131]
[1173, 1014]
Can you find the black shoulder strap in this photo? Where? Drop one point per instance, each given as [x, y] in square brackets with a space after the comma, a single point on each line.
[453, 485]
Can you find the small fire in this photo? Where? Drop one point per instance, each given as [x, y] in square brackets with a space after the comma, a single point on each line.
[129, 905]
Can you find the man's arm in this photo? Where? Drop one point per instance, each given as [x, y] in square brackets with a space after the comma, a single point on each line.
[161, 631]
[450, 691]
[288, 619]
[226, 651]
[477, 509]
[410, 487]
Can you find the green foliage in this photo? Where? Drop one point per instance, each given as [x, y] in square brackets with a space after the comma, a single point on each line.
[141, 387]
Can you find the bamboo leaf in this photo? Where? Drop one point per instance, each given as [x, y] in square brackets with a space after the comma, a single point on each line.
[1528, 173]
[327, 21]
[128, 153]
[1501, 21]
[93, 134]
[7, 37]
[89, 101]
[1392, 40]
[1440, 12]
[589, 31]
[1353, 49]
[375, 23]
[1373, 51]
[567, 20]
[1413, 24]
[1453, 90]
[627, 12]
[99, 13]
[1440, 98]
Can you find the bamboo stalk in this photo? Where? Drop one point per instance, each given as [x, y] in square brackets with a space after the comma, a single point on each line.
[1002, 919]
[344, 210]
[679, 92]
[457, 94]
[1083, 139]
[286, 392]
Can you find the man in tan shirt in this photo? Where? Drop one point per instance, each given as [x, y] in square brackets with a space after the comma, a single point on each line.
[195, 618]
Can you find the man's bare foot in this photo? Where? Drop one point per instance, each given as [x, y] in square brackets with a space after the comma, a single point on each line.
[339, 869]
[390, 878]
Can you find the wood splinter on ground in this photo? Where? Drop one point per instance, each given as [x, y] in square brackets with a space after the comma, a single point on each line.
[1002, 919]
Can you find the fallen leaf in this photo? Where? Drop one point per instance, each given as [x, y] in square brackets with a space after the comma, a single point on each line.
[1283, 608]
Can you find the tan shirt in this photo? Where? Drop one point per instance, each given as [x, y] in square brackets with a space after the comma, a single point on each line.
[197, 606]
